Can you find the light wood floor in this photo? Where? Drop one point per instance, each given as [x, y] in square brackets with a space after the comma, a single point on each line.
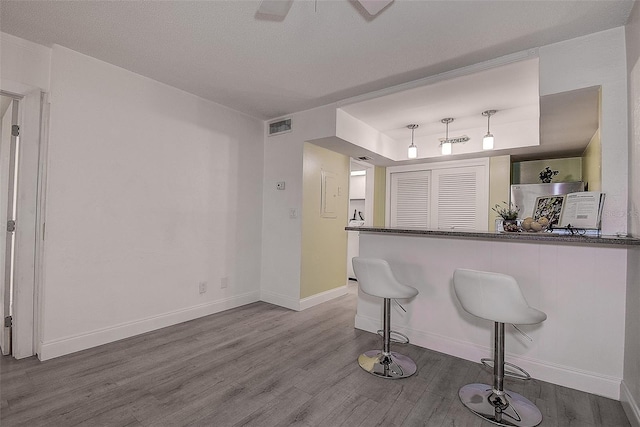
[261, 365]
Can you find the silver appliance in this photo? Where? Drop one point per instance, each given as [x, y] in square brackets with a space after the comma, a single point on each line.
[524, 195]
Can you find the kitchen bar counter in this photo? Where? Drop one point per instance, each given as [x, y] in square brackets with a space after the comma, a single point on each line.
[579, 281]
[524, 236]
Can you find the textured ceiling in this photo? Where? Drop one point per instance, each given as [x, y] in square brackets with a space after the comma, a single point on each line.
[322, 52]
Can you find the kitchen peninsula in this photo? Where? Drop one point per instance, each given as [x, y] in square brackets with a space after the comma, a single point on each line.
[579, 281]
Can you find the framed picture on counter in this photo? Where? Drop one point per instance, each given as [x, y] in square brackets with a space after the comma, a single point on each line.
[549, 207]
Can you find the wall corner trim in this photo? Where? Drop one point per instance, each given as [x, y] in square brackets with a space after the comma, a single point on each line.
[630, 406]
[280, 300]
[325, 296]
[304, 303]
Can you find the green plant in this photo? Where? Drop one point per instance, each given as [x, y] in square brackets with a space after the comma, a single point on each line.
[508, 211]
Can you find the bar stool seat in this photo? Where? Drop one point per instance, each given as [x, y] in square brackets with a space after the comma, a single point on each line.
[375, 278]
[498, 298]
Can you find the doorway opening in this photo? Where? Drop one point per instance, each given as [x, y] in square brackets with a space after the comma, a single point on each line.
[360, 207]
[9, 161]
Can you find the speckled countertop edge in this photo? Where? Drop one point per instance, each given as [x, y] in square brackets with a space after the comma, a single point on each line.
[522, 236]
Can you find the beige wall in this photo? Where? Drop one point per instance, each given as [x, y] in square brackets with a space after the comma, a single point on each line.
[591, 161]
[499, 185]
[570, 169]
[324, 240]
[379, 196]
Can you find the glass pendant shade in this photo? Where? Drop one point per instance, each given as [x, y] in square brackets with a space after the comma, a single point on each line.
[487, 142]
[446, 148]
[413, 151]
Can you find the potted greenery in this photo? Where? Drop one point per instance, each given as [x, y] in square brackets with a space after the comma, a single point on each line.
[509, 214]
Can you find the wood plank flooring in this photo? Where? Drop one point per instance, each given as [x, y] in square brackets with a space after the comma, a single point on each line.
[262, 365]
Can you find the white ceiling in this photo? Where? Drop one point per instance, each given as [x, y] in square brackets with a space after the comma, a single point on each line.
[525, 125]
[322, 52]
[511, 90]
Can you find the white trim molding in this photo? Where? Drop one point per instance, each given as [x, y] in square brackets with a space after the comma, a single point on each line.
[630, 406]
[304, 303]
[280, 300]
[71, 344]
[325, 296]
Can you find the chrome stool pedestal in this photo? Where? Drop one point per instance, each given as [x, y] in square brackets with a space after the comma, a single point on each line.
[497, 297]
[493, 403]
[375, 278]
[386, 363]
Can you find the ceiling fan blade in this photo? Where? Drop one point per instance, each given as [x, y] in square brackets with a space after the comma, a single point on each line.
[276, 8]
[373, 7]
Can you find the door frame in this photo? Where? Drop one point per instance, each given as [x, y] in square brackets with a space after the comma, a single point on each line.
[8, 241]
[369, 189]
[29, 234]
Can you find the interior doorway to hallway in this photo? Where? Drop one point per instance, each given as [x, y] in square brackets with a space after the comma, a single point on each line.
[361, 185]
[9, 161]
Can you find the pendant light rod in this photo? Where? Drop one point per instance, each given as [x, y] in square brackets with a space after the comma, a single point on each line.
[488, 114]
[447, 121]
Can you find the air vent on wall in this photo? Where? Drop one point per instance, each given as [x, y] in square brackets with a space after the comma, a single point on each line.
[280, 126]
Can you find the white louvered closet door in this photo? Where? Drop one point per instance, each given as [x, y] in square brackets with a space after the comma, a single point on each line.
[410, 199]
[459, 199]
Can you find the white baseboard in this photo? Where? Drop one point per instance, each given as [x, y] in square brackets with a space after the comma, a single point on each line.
[71, 344]
[566, 376]
[304, 303]
[280, 300]
[631, 407]
[322, 297]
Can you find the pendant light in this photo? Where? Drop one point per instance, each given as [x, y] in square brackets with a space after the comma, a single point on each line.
[487, 141]
[413, 150]
[446, 144]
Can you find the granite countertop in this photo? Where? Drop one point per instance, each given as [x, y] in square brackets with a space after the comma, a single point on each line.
[521, 236]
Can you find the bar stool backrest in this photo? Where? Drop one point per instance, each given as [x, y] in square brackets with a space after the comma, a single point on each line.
[376, 278]
[494, 296]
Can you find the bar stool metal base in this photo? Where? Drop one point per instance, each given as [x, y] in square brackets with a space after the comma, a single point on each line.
[520, 411]
[392, 365]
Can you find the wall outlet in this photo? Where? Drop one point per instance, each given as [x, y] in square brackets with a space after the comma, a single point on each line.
[202, 287]
[224, 282]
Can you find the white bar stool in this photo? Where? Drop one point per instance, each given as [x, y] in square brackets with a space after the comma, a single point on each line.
[375, 278]
[497, 297]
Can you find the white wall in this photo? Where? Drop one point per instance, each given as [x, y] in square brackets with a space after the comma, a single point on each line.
[23, 65]
[281, 234]
[150, 191]
[630, 390]
[598, 59]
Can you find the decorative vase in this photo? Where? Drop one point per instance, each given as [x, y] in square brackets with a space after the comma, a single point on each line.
[510, 225]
